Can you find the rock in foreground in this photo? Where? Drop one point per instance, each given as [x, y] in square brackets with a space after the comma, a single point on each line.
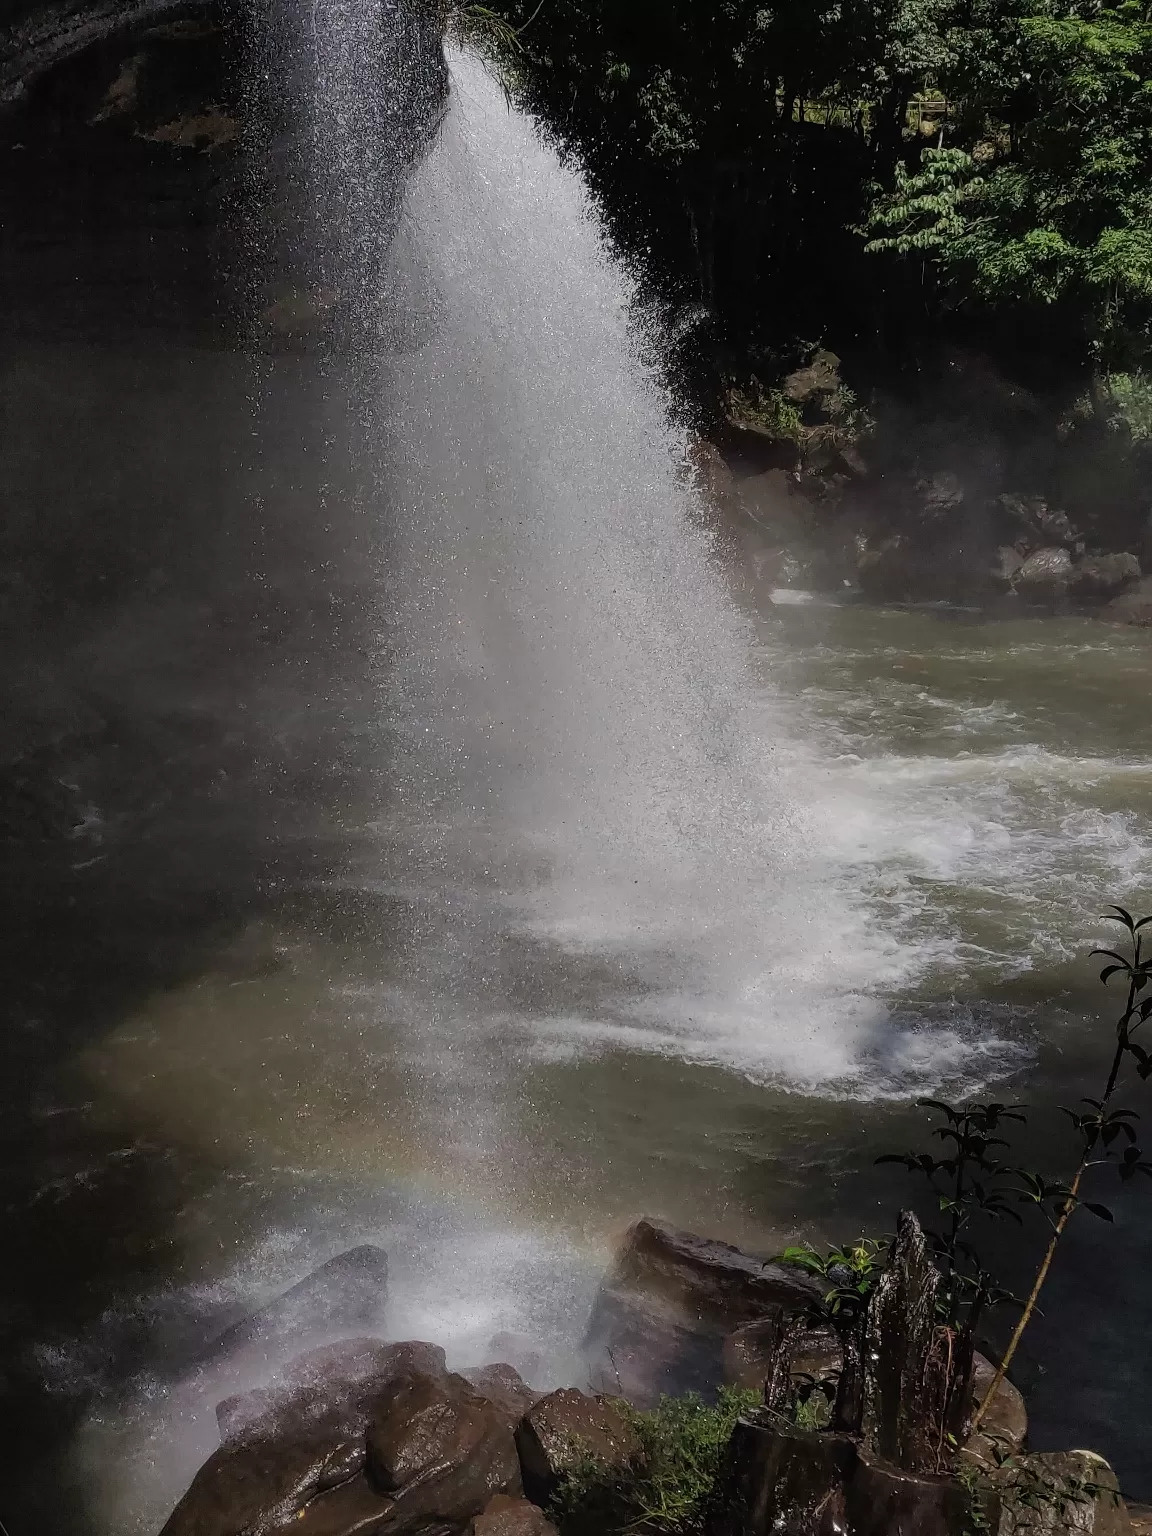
[356, 1438]
[563, 1429]
[660, 1321]
[507, 1516]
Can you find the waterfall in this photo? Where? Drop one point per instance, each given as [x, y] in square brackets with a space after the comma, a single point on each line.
[576, 737]
[594, 830]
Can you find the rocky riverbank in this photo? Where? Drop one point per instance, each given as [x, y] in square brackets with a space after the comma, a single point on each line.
[972, 494]
[365, 1436]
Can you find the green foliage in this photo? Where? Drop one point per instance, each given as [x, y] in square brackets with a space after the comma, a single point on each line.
[923, 211]
[851, 1273]
[769, 152]
[770, 410]
[1130, 405]
[1059, 212]
[666, 1489]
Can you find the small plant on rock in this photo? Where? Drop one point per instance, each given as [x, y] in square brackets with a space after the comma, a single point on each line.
[667, 1488]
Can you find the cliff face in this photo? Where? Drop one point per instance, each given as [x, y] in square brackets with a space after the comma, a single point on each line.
[138, 138]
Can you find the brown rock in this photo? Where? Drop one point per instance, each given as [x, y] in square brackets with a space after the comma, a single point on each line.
[709, 471]
[747, 1354]
[1105, 575]
[1060, 1493]
[1048, 572]
[504, 1388]
[1134, 607]
[301, 1436]
[659, 1322]
[519, 1351]
[355, 1509]
[819, 380]
[506, 1516]
[1005, 1425]
[439, 1451]
[338, 1379]
[562, 1429]
[207, 130]
[1140, 1516]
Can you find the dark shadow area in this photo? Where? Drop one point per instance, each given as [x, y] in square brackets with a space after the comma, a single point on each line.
[184, 629]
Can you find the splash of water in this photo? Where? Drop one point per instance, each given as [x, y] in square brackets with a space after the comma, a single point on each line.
[576, 741]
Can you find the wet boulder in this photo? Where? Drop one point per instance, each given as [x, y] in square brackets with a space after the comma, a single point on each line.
[709, 473]
[1133, 607]
[780, 1478]
[439, 1451]
[749, 1353]
[504, 1388]
[1007, 566]
[1005, 1425]
[523, 1354]
[345, 1295]
[1060, 1493]
[300, 1437]
[564, 1428]
[1105, 575]
[660, 1320]
[1046, 573]
[815, 385]
[504, 1515]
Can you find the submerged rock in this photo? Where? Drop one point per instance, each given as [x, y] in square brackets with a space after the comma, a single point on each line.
[346, 1294]
[660, 1320]
[564, 1428]
[1134, 607]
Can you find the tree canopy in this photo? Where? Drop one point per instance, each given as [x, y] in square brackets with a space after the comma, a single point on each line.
[864, 169]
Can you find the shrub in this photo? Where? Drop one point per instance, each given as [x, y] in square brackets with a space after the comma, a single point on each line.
[667, 1487]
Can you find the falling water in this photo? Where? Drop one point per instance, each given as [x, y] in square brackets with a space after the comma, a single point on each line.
[576, 741]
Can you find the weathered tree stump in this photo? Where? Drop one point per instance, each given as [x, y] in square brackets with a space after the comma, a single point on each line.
[781, 1480]
[916, 1373]
[884, 1467]
[886, 1501]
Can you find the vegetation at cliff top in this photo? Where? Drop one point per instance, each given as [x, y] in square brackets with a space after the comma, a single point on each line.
[875, 174]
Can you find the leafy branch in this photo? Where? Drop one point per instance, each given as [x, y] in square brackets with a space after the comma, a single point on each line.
[1100, 1130]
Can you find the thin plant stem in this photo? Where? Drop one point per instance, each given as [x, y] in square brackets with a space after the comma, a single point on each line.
[1068, 1207]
